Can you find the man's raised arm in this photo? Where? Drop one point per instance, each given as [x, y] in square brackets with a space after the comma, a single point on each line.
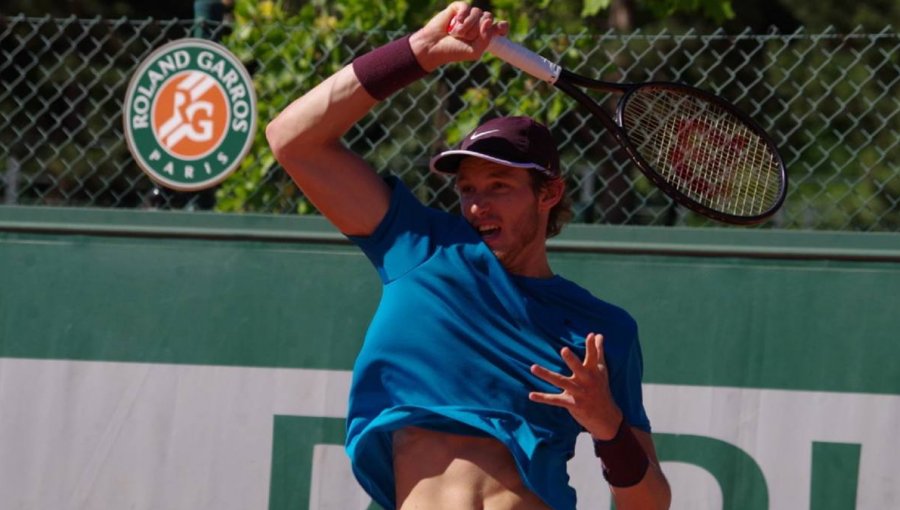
[306, 136]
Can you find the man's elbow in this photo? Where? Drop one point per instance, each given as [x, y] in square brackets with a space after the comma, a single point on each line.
[289, 144]
[275, 137]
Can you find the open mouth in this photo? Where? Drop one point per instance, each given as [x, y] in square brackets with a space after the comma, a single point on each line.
[488, 232]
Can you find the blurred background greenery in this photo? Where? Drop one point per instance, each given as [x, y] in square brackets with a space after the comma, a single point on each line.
[832, 99]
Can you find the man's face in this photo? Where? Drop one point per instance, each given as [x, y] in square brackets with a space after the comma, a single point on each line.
[500, 203]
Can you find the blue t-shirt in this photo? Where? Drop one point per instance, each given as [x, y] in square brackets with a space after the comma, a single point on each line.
[451, 343]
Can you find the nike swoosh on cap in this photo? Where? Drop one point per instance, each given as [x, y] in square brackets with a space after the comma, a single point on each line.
[475, 136]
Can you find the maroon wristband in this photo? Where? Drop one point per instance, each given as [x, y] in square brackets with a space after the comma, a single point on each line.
[624, 460]
[388, 68]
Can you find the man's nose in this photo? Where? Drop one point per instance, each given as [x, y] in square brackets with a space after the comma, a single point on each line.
[478, 204]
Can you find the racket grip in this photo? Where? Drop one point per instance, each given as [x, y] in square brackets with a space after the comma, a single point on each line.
[524, 59]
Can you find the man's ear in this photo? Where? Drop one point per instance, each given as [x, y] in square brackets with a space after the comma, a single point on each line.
[551, 193]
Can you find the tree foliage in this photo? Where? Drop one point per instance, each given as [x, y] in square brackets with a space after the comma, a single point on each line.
[830, 94]
[301, 43]
[159, 9]
[295, 45]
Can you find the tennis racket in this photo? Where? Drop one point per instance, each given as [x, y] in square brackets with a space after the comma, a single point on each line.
[696, 147]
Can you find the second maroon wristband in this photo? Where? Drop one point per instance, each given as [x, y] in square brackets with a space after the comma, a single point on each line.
[388, 68]
[624, 460]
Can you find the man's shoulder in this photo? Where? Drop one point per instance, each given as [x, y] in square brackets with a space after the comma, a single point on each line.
[404, 197]
[594, 305]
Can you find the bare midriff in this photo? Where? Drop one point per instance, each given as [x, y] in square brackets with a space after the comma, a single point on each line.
[438, 471]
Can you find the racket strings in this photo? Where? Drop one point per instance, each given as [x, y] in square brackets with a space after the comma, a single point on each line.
[703, 150]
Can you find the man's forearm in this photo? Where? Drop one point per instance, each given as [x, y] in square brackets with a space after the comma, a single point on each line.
[321, 116]
[305, 137]
[651, 493]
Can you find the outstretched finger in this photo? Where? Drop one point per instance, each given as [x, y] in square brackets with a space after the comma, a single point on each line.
[553, 399]
[591, 357]
[598, 342]
[558, 380]
[572, 361]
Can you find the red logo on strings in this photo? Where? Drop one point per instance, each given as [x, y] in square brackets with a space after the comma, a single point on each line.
[699, 151]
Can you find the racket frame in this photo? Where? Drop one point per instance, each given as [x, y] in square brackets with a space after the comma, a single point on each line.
[573, 85]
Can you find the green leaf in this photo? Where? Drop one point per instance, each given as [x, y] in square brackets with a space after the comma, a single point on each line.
[592, 7]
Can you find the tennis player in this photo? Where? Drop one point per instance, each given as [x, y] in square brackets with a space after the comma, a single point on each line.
[481, 366]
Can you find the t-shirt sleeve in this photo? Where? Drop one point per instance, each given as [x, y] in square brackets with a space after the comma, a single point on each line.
[626, 387]
[402, 240]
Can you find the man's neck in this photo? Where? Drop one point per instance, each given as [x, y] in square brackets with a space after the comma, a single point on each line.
[536, 266]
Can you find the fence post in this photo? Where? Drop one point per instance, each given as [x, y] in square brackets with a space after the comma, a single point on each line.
[12, 180]
[208, 14]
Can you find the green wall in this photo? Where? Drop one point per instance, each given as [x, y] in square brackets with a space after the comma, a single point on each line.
[726, 307]
[771, 358]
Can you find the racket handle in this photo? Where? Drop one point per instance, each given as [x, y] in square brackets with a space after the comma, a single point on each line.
[525, 59]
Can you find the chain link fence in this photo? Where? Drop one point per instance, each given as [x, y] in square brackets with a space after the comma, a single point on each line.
[830, 101]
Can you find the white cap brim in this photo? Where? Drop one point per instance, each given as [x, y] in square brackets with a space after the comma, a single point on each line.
[460, 153]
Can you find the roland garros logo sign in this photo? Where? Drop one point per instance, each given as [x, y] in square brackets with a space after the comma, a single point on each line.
[190, 114]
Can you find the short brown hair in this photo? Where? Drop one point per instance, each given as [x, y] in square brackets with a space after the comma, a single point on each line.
[562, 212]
